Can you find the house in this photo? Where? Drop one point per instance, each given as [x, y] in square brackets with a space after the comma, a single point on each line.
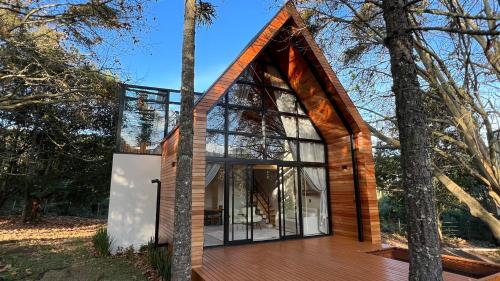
[280, 155]
[280, 150]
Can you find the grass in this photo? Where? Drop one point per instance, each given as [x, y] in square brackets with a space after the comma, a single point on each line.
[102, 242]
[61, 248]
[71, 259]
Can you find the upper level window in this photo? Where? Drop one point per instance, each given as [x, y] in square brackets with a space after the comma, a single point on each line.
[147, 115]
[260, 117]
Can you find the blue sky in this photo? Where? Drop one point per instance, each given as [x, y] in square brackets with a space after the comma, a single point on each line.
[156, 60]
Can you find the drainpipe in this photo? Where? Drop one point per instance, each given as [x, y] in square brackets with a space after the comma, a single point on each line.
[157, 220]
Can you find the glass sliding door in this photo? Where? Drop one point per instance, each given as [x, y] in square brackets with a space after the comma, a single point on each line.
[314, 201]
[214, 204]
[288, 198]
[239, 226]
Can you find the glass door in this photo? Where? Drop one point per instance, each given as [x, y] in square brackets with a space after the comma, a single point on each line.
[239, 203]
[288, 198]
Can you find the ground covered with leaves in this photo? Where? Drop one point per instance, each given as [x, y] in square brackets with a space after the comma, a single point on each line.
[61, 249]
[476, 250]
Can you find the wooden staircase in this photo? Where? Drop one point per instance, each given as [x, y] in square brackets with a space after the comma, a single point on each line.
[264, 208]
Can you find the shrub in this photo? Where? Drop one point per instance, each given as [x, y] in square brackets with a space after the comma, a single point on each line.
[102, 242]
[129, 252]
[160, 259]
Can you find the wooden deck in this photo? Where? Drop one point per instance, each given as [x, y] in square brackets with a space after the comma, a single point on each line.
[324, 258]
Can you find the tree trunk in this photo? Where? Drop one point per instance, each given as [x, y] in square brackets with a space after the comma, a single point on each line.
[474, 207]
[181, 256]
[423, 239]
[26, 214]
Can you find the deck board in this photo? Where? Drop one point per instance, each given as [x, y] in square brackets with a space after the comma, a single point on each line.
[323, 258]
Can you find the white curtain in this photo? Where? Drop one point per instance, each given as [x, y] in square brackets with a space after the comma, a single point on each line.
[312, 152]
[316, 178]
[210, 172]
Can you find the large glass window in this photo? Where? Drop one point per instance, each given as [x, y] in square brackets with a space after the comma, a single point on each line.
[312, 152]
[244, 95]
[147, 115]
[240, 146]
[262, 119]
[216, 118]
[246, 121]
[275, 178]
[215, 144]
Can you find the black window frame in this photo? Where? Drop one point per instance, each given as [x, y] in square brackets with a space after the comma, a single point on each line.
[163, 92]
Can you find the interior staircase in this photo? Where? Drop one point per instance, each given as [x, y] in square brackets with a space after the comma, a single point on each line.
[264, 208]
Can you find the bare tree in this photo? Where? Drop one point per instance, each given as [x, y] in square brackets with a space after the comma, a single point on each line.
[457, 53]
[423, 239]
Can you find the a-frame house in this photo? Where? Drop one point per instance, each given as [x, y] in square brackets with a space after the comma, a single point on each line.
[280, 150]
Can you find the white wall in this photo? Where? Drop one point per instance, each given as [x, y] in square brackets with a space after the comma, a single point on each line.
[132, 202]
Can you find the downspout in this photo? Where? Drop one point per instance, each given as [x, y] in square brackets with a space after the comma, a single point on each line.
[157, 219]
[357, 194]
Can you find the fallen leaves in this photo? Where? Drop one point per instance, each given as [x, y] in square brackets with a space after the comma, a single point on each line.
[48, 229]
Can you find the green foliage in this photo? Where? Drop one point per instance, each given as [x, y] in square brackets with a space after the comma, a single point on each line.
[160, 259]
[102, 242]
[392, 215]
[451, 212]
[59, 102]
[205, 12]
[467, 227]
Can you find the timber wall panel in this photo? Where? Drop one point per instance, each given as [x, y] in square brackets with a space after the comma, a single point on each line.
[200, 125]
[167, 197]
[370, 213]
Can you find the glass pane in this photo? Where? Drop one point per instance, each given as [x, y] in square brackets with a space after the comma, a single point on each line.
[279, 101]
[244, 95]
[300, 110]
[215, 144]
[283, 126]
[263, 73]
[314, 201]
[288, 189]
[265, 202]
[249, 75]
[239, 203]
[215, 118]
[214, 204]
[197, 97]
[272, 77]
[175, 96]
[312, 152]
[173, 116]
[307, 130]
[245, 147]
[143, 123]
[280, 149]
[248, 121]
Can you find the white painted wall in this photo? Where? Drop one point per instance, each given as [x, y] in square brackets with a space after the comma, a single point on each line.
[132, 202]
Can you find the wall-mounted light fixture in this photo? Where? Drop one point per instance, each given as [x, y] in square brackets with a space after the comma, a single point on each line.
[344, 168]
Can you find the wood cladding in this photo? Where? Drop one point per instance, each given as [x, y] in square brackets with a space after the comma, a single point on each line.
[167, 195]
[330, 109]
